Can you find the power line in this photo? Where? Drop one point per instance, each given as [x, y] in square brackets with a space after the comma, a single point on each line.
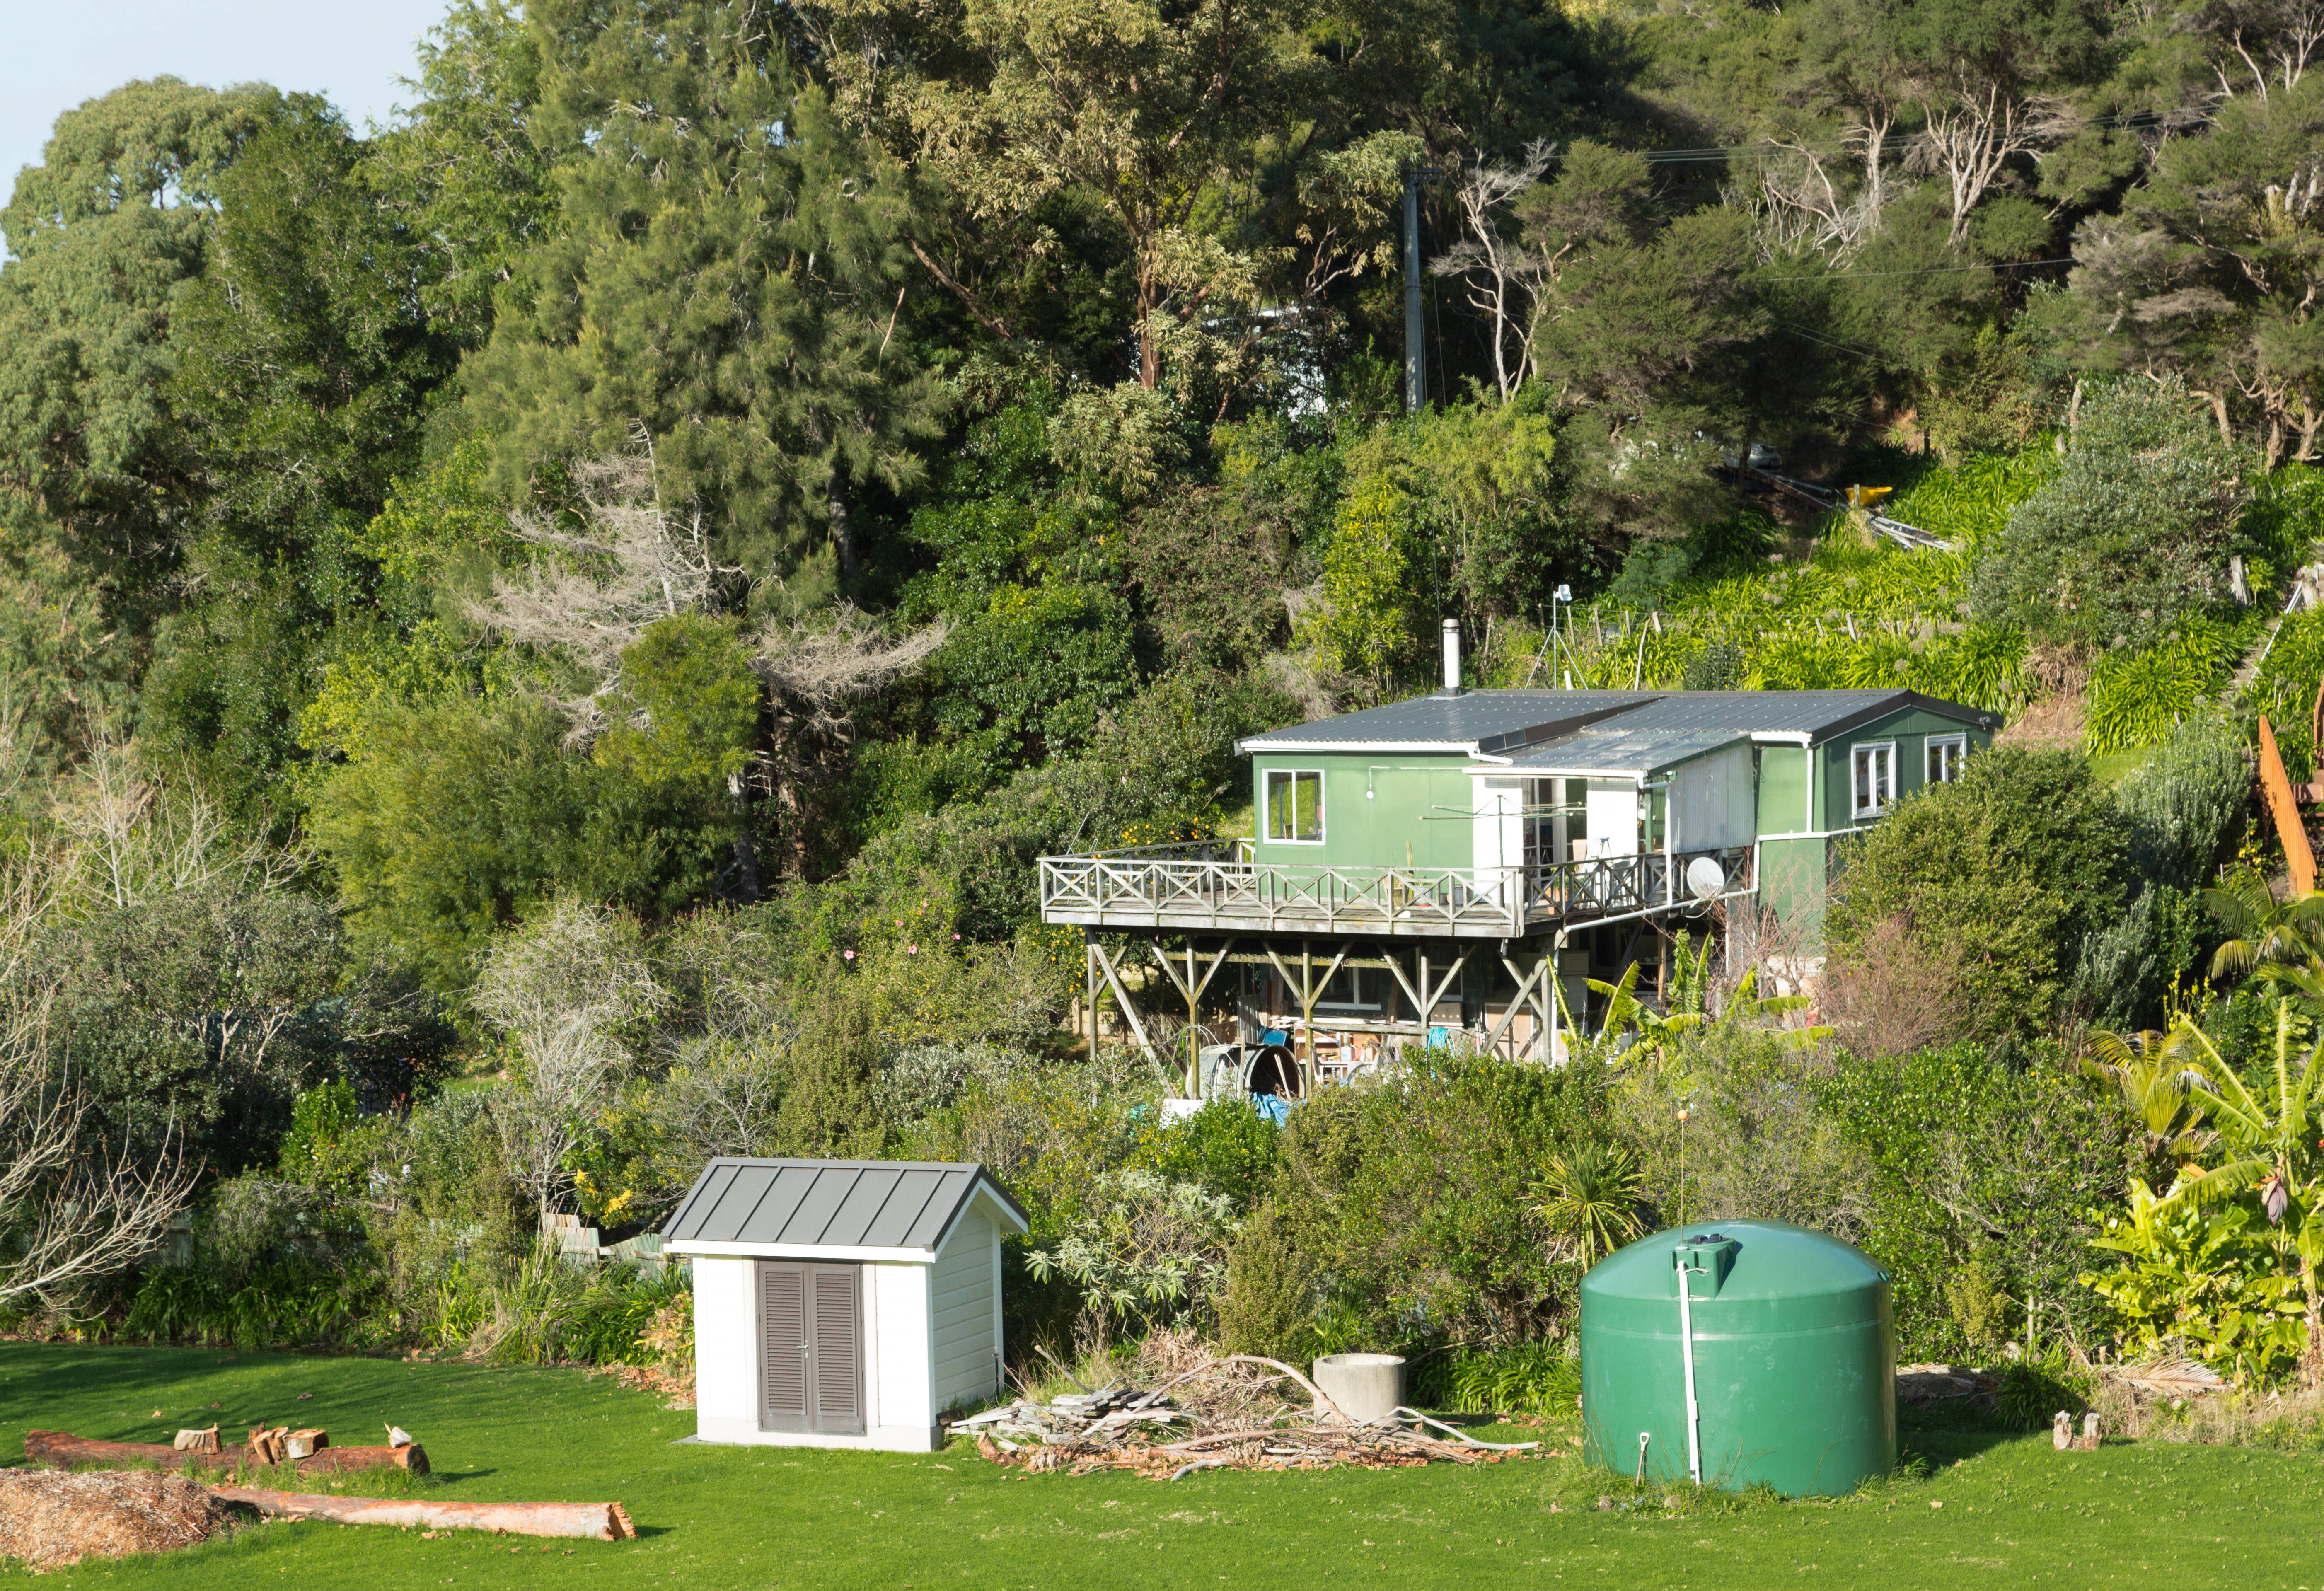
[1925, 270]
[1716, 154]
[1792, 326]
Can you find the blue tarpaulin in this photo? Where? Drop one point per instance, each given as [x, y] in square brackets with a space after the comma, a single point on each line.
[1273, 1107]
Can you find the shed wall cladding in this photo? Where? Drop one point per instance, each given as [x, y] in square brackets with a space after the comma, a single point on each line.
[964, 1280]
[900, 1360]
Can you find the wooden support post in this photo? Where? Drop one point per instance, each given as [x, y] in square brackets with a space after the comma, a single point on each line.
[1089, 987]
[1306, 1020]
[1193, 988]
[1428, 996]
[1306, 988]
[1122, 998]
[1522, 997]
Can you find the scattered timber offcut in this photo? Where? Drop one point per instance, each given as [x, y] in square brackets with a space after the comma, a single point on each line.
[1224, 1414]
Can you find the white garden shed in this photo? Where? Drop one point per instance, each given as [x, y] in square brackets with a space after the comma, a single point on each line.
[841, 1303]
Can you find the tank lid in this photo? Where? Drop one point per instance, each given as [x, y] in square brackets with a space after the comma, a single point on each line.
[1749, 1259]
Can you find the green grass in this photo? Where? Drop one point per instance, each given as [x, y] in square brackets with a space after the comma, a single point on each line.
[2015, 1512]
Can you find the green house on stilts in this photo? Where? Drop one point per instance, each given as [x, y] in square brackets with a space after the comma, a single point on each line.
[1455, 867]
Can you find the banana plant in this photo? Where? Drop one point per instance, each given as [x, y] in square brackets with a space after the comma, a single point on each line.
[1657, 1030]
[2270, 1140]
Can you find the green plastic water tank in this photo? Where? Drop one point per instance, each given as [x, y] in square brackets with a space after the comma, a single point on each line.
[1794, 1352]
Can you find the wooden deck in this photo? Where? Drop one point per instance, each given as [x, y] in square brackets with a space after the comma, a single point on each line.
[1217, 889]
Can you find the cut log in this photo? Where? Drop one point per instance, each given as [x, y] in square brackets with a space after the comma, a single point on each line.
[592, 1521]
[335, 1460]
[60, 1449]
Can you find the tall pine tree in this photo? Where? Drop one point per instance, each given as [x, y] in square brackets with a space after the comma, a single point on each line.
[724, 283]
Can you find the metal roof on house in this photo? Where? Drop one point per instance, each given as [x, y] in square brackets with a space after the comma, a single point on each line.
[1474, 721]
[829, 1204]
[1615, 751]
[1523, 723]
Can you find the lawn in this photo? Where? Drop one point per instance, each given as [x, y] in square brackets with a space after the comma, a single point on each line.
[2153, 1515]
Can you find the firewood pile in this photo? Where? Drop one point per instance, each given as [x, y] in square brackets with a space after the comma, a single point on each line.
[1219, 1413]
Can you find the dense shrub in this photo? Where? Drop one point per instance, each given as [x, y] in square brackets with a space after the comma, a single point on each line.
[1414, 1199]
[1976, 1162]
[2133, 531]
[2001, 876]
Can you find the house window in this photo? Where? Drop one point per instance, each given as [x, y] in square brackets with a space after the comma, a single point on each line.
[1355, 988]
[1946, 754]
[1294, 807]
[1874, 777]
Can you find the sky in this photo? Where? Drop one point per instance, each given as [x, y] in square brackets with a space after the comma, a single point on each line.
[56, 53]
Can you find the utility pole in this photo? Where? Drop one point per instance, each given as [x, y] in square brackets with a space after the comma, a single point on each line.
[1416, 363]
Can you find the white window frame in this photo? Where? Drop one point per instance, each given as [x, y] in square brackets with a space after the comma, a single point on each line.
[1267, 803]
[1884, 750]
[1956, 751]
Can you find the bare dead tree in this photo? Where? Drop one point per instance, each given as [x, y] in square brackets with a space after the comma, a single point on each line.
[598, 588]
[1800, 202]
[2273, 40]
[1500, 276]
[816, 671]
[594, 591]
[1971, 135]
[128, 833]
[70, 1212]
[565, 987]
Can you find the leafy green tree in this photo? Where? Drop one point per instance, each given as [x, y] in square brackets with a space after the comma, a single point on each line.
[106, 232]
[1036, 670]
[1636, 316]
[724, 281]
[450, 821]
[1367, 623]
[2211, 271]
[2134, 530]
[1201, 578]
[191, 1015]
[304, 369]
[99, 479]
[1142, 107]
[686, 721]
[463, 166]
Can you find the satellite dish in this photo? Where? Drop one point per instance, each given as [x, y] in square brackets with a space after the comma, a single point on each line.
[1705, 877]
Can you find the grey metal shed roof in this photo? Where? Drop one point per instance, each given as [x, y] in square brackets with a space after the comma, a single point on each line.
[1505, 722]
[829, 1204]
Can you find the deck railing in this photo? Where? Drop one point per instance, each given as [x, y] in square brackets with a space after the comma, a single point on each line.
[1217, 886]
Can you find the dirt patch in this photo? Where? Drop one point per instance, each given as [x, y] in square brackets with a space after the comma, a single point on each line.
[49, 1518]
[2053, 720]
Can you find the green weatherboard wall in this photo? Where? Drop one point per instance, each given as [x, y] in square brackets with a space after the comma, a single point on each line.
[1794, 1359]
[1380, 810]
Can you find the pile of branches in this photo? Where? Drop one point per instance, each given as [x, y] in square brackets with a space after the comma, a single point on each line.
[1204, 1417]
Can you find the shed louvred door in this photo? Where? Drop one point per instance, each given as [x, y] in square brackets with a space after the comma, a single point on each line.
[783, 1346]
[836, 1300]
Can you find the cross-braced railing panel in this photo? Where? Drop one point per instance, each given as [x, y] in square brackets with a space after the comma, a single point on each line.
[1217, 886]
